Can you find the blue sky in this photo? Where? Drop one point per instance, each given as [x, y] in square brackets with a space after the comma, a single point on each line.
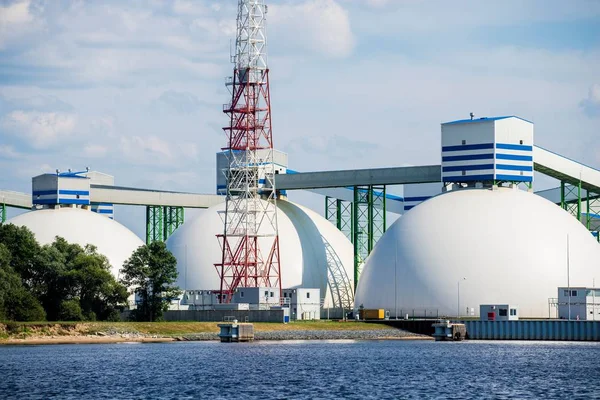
[136, 88]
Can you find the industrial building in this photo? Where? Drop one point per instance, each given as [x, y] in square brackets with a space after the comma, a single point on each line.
[484, 240]
[62, 207]
[314, 253]
[473, 233]
[579, 303]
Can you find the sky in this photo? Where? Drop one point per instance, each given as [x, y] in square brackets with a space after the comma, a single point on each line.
[135, 89]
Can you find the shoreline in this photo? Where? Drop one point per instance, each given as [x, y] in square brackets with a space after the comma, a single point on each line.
[110, 340]
[163, 332]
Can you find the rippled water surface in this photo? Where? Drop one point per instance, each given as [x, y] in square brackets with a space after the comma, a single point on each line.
[310, 370]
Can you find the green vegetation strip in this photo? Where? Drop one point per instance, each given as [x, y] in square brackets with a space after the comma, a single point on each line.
[165, 329]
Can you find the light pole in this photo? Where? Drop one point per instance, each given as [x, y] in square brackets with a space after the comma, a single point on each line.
[458, 297]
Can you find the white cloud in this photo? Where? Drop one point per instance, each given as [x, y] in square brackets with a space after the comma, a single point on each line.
[40, 129]
[7, 151]
[591, 104]
[95, 150]
[16, 13]
[315, 25]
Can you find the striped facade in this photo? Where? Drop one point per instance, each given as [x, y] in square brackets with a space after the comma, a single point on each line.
[104, 209]
[79, 197]
[415, 194]
[52, 189]
[487, 150]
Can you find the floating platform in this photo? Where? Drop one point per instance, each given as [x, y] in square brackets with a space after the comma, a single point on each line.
[447, 331]
[236, 332]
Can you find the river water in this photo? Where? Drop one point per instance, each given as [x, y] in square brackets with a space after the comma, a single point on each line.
[303, 370]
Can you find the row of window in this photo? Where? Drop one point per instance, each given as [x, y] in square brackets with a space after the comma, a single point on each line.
[588, 293]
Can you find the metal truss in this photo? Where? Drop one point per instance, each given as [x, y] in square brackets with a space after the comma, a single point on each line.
[340, 285]
[582, 204]
[250, 239]
[369, 223]
[339, 213]
[162, 221]
[363, 221]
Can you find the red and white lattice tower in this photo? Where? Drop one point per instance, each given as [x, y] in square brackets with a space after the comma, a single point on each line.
[250, 240]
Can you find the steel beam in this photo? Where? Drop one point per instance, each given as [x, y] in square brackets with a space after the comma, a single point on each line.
[144, 197]
[15, 199]
[358, 177]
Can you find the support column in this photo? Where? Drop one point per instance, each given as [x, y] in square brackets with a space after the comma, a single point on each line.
[3, 213]
[592, 215]
[162, 221]
[368, 223]
[570, 198]
[339, 213]
[173, 220]
[154, 224]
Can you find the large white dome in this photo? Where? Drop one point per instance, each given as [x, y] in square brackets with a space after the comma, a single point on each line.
[510, 245]
[82, 227]
[311, 248]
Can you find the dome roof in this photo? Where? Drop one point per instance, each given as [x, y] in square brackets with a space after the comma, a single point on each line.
[82, 227]
[311, 250]
[510, 245]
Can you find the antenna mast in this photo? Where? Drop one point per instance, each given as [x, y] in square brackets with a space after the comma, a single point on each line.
[250, 239]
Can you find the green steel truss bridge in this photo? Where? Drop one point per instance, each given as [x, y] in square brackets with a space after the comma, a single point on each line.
[356, 200]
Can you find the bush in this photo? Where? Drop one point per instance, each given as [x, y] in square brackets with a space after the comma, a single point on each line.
[70, 310]
[23, 306]
[114, 316]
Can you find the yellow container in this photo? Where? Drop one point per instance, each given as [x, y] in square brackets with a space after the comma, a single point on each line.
[372, 314]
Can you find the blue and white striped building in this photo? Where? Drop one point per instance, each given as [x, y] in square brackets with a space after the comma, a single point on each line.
[488, 150]
[60, 189]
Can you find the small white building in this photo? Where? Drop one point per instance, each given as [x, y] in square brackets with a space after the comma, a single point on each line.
[259, 298]
[498, 312]
[304, 303]
[579, 303]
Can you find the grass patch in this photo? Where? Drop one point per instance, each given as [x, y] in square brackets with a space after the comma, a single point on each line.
[166, 329]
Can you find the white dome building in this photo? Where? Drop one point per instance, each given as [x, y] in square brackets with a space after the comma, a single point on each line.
[82, 227]
[314, 253]
[504, 246]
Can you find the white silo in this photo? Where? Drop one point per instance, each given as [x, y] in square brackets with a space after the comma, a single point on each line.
[82, 227]
[314, 253]
[469, 247]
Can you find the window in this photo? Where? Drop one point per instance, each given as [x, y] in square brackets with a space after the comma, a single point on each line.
[308, 295]
[241, 294]
[266, 293]
[566, 293]
[574, 293]
[513, 312]
[464, 142]
[464, 173]
[503, 312]
[272, 294]
[284, 294]
[520, 142]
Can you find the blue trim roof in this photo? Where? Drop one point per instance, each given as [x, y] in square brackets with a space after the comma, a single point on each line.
[484, 119]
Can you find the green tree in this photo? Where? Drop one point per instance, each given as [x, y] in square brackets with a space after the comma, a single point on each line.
[16, 303]
[70, 310]
[151, 271]
[23, 249]
[61, 280]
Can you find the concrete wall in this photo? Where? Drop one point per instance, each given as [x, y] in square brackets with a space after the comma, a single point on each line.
[220, 315]
[534, 330]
